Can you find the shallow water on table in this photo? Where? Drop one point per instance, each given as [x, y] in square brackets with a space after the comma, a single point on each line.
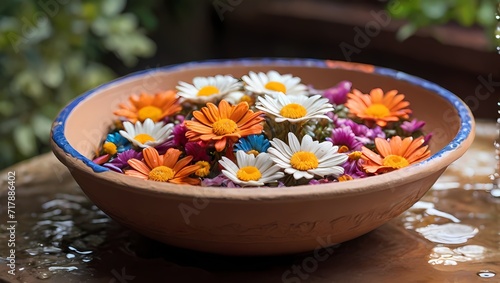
[451, 234]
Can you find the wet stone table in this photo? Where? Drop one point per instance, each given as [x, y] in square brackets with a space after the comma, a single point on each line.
[451, 235]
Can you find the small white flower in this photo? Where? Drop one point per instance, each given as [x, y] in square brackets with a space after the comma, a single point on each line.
[273, 83]
[208, 89]
[295, 108]
[147, 134]
[251, 170]
[236, 97]
[308, 158]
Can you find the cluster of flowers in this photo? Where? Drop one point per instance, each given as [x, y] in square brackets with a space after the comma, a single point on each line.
[265, 129]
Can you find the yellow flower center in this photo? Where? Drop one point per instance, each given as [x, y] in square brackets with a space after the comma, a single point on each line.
[161, 174]
[344, 178]
[293, 111]
[143, 138]
[109, 148]
[208, 90]
[249, 173]
[151, 112]
[276, 86]
[246, 98]
[355, 155]
[253, 151]
[377, 110]
[224, 126]
[304, 160]
[395, 161]
[204, 169]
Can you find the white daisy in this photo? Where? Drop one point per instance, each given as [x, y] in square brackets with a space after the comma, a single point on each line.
[251, 170]
[308, 158]
[295, 108]
[208, 89]
[273, 83]
[147, 134]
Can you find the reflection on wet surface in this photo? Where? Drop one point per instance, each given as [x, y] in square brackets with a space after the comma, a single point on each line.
[451, 235]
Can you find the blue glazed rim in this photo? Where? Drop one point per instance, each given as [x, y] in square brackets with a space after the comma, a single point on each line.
[466, 119]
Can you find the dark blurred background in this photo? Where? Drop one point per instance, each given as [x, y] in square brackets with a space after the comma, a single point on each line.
[53, 50]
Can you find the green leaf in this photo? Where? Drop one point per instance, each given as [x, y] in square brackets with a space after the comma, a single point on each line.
[406, 31]
[434, 9]
[6, 108]
[25, 140]
[52, 74]
[486, 13]
[466, 12]
[112, 7]
[41, 126]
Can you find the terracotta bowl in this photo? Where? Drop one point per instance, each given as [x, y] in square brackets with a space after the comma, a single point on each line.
[257, 221]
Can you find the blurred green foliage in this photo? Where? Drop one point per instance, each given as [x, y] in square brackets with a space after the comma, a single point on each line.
[50, 52]
[420, 13]
[497, 31]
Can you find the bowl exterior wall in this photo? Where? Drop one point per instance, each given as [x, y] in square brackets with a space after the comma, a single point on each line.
[249, 227]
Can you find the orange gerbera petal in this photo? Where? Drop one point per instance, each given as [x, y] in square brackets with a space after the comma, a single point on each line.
[163, 168]
[170, 157]
[395, 154]
[136, 174]
[378, 107]
[139, 166]
[224, 122]
[151, 157]
[155, 107]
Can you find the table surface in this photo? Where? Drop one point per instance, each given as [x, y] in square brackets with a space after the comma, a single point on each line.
[451, 235]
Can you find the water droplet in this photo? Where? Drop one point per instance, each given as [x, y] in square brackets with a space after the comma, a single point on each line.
[65, 268]
[486, 274]
[43, 275]
[450, 233]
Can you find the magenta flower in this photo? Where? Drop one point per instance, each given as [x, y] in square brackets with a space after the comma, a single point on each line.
[412, 126]
[179, 134]
[338, 94]
[345, 137]
[198, 150]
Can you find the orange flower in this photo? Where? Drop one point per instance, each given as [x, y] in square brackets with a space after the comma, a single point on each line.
[154, 107]
[378, 107]
[394, 154]
[223, 123]
[163, 168]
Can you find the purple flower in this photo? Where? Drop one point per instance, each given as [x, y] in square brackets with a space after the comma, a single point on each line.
[345, 137]
[162, 148]
[354, 168]
[179, 133]
[219, 181]
[427, 138]
[338, 94]
[120, 161]
[320, 181]
[412, 126]
[198, 150]
[363, 134]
